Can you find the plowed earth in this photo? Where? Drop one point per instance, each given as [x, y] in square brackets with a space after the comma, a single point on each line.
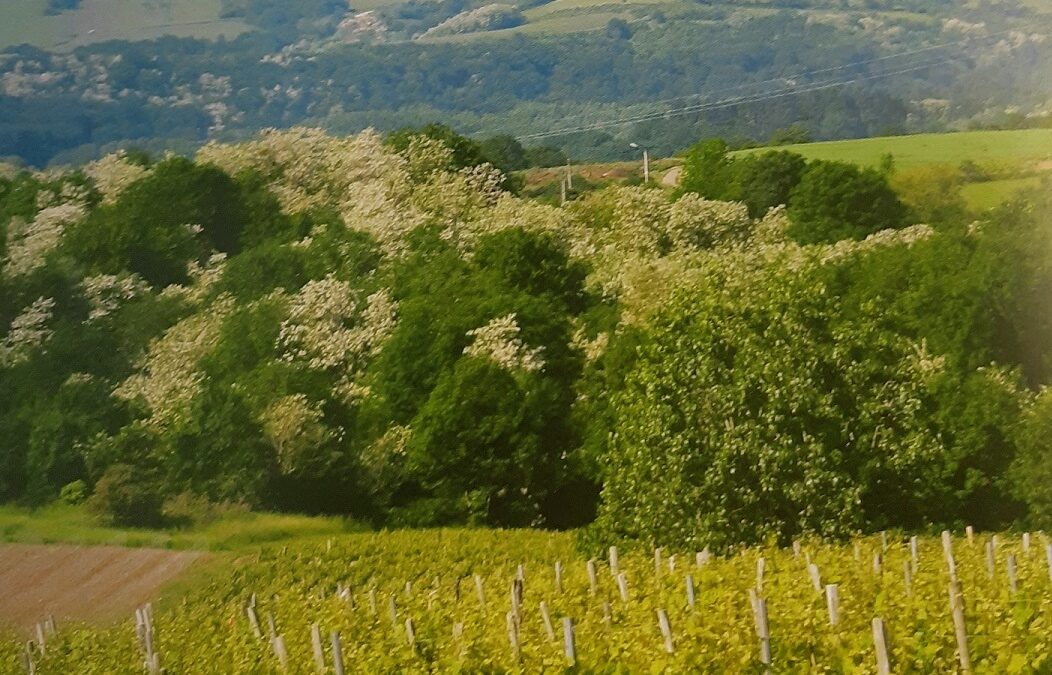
[94, 584]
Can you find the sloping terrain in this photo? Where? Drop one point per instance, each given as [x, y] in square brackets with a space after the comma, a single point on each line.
[82, 583]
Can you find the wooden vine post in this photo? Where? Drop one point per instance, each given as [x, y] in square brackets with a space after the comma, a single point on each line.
[666, 630]
[337, 653]
[880, 645]
[959, 627]
[569, 644]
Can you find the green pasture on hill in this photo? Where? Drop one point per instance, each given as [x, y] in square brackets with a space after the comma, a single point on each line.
[1021, 147]
[24, 21]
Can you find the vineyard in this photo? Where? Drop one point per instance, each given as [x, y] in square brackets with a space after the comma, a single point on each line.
[522, 601]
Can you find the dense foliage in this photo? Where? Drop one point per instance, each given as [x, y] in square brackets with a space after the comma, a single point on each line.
[439, 601]
[379, 328]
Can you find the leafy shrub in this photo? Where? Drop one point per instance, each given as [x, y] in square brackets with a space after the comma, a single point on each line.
[125, 496]
[73, 493]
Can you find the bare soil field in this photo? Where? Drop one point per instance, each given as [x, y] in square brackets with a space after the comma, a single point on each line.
[97, 583]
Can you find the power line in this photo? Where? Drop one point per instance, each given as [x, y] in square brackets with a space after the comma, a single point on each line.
[727, 103]
[853, 64]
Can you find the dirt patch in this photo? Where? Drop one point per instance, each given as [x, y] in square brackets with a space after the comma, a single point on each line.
[96, 583]
[1046, 165]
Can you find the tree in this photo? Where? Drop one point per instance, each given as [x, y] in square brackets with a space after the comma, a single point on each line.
[466, 152]
[836, 200]
[766, 180]
[545, 156]
[932, 194]
[707, 170]
[161, 222]
[504, 152]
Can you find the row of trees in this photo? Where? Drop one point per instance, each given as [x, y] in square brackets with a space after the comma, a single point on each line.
[376, 327]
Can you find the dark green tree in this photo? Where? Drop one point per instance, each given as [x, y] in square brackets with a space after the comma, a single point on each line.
[836, 200]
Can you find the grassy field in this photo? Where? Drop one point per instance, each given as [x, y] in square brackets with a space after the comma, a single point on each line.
[980, 196]
[24, 21]
[229, 532]
[1025, 146]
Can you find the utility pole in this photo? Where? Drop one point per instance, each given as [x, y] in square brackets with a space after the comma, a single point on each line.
[646, 162]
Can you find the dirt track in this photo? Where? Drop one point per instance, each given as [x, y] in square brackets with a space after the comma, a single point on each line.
[96, 583]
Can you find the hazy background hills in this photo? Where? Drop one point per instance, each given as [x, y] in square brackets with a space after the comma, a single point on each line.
[78, 78]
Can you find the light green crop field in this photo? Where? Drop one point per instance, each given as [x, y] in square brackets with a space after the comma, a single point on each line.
[24, 21]
[1016, 146]
[496, 601]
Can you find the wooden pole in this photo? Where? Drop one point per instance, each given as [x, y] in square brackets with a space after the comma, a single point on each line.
[878, 564]
[690, 592]
[990, 561]
[763, 631]
[907, 574]
[657, 562]
[1048, 559]
[319, 652]
[513, 635]
[1012, 585]
[337, 653]
[559, 577]
[593, 584]
[392, 610]
[622, 587]
[702, 557]
[959, 627]
[547, 620]
[969, 532]
[880, 644]
[280, 651]
[816, 578]
[666, 630]
[615, 568]
[914, 553]
[569, 645]
[760, 564]
[833, 603]
[410, 633]
[480, 592]
[1026, 542]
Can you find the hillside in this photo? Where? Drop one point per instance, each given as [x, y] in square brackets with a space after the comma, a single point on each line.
[587, 77]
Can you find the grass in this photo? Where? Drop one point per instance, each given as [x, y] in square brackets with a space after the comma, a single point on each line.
[982, 196]
[230, 532]
[24, 21]
[1022, 146]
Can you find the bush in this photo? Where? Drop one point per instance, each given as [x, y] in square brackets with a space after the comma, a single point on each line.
[751, 413]
[124, 496]
[74, 493]
[836, 201]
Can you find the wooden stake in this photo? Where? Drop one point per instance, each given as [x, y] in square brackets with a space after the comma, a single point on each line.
[880, 644]
[816, 578]
[702, 557]
[914, 553]
[657, 563]
[559, 577]
[760, 563]
[1012, 586]
[319, 652]
[569, 647]
[513, 635]
[410, 633]
[593, 584]
[796, 548]
[763, 632]
[833, 603]
[615, 569]
[372, 601]
[282, 654]
[666, 630]
[883, 541]
[990, 561]
[547, 620]
[877, 564]
[337, 653]
[479, 592]
[622, 587]
[969, 532]
[608, 614]
[690, 592]
[1026, 542]
[907, 573]
[1048, 559]
[392, 610]
[960, 630]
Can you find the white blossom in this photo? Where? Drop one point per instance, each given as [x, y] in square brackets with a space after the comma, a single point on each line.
[28, 331]
[499, 341]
